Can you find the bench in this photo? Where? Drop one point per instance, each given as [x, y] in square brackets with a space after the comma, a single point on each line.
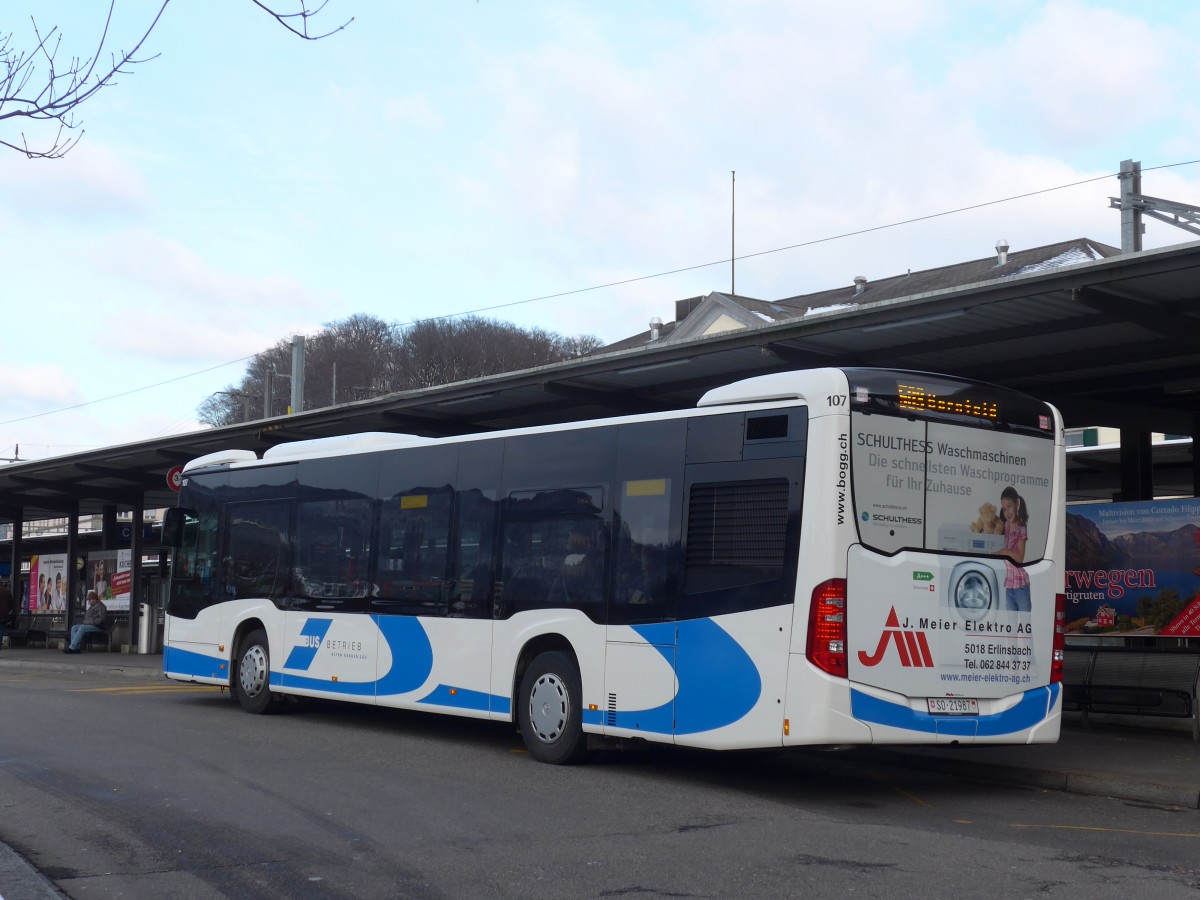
[36, 628]
[1132, 681]
[103, 638]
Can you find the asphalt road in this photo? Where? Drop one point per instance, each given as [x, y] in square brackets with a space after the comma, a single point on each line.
[120, 788]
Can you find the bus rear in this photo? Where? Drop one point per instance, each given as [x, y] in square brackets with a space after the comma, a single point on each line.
[952, 599]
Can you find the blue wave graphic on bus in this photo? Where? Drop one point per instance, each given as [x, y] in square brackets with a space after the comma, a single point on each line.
[196, 665]
[311, 634]
[1032, 709]
[412, 661]
[718, 681]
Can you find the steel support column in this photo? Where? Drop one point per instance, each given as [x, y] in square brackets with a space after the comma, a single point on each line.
[1137, 470]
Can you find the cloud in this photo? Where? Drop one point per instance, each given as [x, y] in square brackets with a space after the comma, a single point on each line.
[91, 186]
[413, 110]
[612, 159]
[1055, 82]
[29, 387]
[219, 314]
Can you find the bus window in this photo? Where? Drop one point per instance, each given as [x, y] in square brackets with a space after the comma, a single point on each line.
[476, 548]
[737, 547]
[194, 561]
[555, 551]
[414, 540]
[642, 557]
[257, 548]
[333, 542]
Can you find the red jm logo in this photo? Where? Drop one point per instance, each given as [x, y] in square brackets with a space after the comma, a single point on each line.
[911, 645]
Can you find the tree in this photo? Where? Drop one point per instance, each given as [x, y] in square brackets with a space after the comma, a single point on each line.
[362, 357]
[37, 88]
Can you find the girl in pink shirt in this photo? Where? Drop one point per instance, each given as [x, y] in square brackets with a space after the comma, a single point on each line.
[1016, 533]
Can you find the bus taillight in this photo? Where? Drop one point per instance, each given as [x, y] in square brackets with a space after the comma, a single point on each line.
[827, 627]
[1060, 621]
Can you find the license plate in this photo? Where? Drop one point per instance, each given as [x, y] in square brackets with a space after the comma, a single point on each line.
[953, 706]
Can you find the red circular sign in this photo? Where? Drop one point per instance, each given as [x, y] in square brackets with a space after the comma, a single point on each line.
[175, 478]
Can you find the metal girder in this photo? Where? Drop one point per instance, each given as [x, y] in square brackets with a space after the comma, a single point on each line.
[1164, 323]
[1181, 215]
[995, 336]
[623, 403]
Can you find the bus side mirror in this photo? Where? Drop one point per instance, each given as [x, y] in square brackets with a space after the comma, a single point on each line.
[172, 526]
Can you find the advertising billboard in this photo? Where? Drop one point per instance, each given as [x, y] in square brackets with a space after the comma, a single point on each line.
[1134, 568]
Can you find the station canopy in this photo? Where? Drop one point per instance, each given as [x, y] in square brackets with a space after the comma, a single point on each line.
[1111, 342]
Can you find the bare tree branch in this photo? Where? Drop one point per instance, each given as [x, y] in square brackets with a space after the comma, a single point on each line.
[34, 87]
[303, 15]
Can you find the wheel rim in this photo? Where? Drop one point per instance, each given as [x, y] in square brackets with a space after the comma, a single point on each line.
[253, 671]
[549, 708]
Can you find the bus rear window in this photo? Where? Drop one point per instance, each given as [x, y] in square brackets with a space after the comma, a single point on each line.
[948, 487]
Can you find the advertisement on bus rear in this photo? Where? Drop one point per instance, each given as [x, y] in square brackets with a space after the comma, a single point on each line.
[935, 486]
[928, 625]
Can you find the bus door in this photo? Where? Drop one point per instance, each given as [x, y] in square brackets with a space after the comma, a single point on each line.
[194, 615]
[639, 650]
[951, 589]
[329, 644]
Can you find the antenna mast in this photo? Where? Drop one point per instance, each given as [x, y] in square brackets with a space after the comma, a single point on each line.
[733, 233]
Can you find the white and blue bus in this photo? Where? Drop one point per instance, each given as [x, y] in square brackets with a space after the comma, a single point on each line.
[833, 556]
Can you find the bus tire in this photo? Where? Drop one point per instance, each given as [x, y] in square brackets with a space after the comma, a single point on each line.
[252, 676]
[549, 710]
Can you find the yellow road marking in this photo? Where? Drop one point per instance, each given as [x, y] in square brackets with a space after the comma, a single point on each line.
[901, 791]
[1178, 834]
[147, 689]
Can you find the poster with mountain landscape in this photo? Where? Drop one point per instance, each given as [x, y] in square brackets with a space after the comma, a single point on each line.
[1134, 568]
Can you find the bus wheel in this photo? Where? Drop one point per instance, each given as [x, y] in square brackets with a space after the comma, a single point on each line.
[548, 708]
[252, 677]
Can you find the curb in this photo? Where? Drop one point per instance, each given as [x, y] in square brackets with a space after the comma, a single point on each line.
[1095, 784]
[128, 671]
[21, 881]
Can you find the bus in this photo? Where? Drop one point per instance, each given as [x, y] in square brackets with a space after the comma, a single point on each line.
[836, 556]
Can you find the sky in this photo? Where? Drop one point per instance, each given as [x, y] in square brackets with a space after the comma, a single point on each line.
[436, 159]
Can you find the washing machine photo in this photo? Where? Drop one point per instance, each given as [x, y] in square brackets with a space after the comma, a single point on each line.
[975, 590]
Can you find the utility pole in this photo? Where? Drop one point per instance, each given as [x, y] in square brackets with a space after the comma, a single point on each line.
[733, 233]
[297, 374]
[269, 392]
[1134, 204]
[1132, 228]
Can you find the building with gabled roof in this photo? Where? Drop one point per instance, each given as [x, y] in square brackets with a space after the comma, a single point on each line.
[720, 312]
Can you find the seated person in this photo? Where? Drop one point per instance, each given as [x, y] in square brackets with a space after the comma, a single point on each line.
[93, 622]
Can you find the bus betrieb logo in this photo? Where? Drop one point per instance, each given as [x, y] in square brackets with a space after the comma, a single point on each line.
[910, 644]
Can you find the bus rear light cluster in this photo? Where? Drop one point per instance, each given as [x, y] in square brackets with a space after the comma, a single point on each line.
[1060, 622]
[827, 627]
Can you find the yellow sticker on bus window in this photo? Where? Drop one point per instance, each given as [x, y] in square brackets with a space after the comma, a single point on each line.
[414, 501]
[651, 487]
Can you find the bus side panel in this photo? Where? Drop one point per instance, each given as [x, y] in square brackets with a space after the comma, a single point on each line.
[326, 655]
[732, 675]
[460, 679]
[828, 516]
[190, 649]
[639, 682]
[586, 639]
[818, 708]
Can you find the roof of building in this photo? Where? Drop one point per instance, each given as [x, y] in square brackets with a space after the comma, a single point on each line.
[702, 316]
